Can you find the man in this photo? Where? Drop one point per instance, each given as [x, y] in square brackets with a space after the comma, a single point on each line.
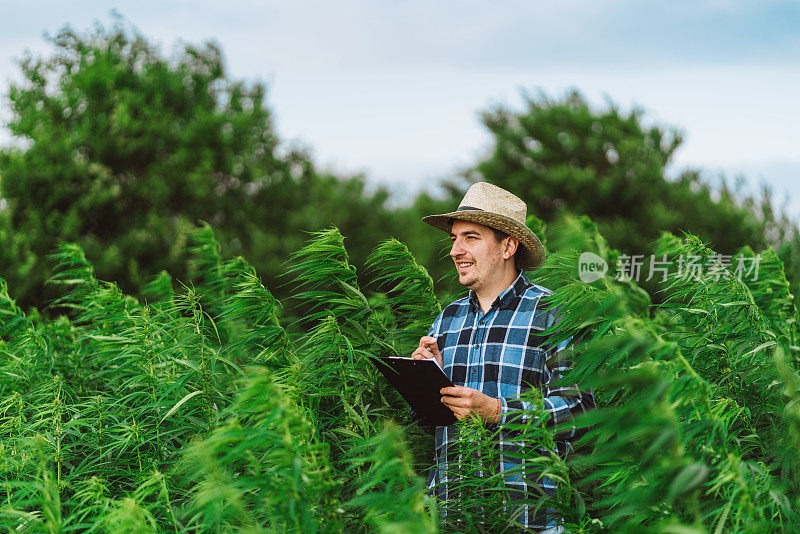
[489, 343]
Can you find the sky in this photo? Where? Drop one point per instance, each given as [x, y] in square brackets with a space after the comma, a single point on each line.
[394, 89]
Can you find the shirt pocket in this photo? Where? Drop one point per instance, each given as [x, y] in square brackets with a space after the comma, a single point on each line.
[505, 365]
[514, 368]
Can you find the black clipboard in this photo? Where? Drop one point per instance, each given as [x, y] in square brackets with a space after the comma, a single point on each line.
[419, 382]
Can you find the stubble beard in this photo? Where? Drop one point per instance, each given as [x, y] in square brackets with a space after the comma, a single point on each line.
[473, 279]
[469, 282]
[469, 279]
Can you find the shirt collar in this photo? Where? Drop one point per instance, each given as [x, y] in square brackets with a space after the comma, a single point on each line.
[517, 287]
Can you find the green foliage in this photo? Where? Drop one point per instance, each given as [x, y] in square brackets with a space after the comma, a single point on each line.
[198, 411]
[389, 491]
[409, 291]
[123, 150]
[609, 166]
[690, 429]
[481, 501]
[204, 410]
[146, 404]
[561, 155]
[263, 467]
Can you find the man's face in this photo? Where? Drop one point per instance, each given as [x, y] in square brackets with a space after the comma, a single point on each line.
[476, 252]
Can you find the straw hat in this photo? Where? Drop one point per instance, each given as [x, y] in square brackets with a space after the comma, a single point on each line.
[496, 208]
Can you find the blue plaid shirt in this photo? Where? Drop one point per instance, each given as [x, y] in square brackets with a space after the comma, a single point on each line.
[502, 353]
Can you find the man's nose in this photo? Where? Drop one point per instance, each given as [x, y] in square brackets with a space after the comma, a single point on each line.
[456, 250]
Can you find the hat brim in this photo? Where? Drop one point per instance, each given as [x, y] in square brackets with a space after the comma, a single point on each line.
[531, 253]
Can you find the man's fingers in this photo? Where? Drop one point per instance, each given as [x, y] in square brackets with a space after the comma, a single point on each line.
[458, 411]
[422, 353]
[430, 343]
[457, 402]
[464, 401]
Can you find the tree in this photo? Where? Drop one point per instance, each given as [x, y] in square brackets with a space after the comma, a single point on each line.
[123, 151]
[562, 155]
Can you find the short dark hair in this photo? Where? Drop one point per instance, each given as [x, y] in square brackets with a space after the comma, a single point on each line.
[499, 235]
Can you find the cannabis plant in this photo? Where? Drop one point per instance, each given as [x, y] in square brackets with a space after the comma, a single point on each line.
[210, 406]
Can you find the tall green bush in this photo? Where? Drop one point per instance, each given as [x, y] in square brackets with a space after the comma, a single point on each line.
[202, 409]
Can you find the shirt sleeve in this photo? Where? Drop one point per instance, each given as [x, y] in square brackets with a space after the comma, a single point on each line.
[563, 402]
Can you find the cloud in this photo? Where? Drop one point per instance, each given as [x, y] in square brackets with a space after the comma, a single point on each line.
[315, 35]
[517, 34]
[394, 86]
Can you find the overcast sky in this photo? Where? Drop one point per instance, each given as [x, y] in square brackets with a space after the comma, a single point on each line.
[394, 88]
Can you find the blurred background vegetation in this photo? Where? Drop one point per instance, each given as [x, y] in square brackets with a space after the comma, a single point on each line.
[123, 150]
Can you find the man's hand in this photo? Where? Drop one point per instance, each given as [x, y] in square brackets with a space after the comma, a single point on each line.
[428, 349]
[463, 401]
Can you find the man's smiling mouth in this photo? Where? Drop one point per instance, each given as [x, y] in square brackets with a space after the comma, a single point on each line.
[463, 264]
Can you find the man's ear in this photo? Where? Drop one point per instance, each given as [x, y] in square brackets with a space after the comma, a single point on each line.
[512, 243]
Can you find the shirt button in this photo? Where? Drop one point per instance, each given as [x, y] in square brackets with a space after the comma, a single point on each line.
[474, 371]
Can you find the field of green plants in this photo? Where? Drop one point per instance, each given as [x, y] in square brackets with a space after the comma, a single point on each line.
[211, 407]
